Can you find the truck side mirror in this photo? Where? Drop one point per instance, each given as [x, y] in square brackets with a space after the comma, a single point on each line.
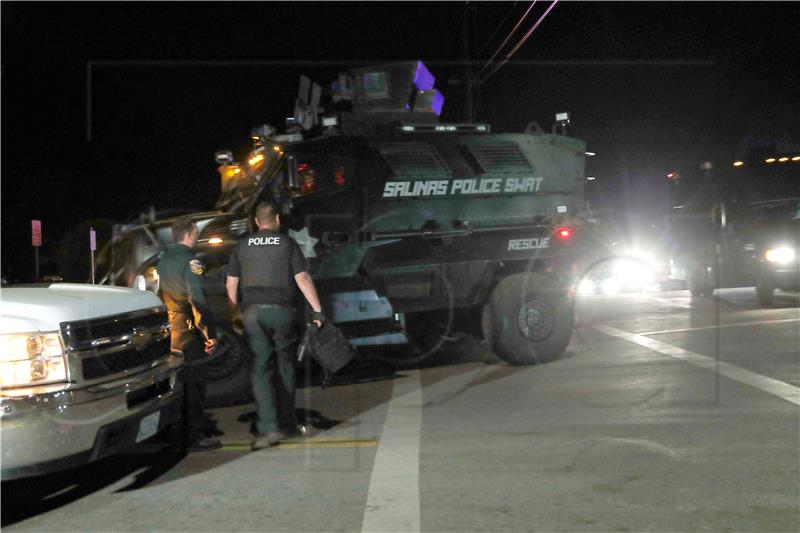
[718, 216]
[292, 180]
[223, 157]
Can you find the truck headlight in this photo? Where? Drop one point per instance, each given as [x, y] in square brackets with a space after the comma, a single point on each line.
[784, 254]
[31, 359]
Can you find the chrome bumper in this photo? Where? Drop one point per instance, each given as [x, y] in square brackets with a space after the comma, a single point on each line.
[45, 432]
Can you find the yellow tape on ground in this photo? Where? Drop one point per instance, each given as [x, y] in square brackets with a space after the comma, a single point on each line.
[238, 446]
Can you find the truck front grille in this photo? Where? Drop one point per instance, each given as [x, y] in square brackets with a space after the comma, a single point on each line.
[116, 362]
[90, 332]
[115, 345]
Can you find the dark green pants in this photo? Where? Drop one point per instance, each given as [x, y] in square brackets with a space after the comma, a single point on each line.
[187, 340]
[272, 333]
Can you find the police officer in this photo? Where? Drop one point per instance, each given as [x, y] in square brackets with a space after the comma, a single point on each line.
[180, 287]
[268, 265]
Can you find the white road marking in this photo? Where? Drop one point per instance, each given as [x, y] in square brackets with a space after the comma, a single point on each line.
[735, 325]
[674, 302]
[393, 498]
[790, 393]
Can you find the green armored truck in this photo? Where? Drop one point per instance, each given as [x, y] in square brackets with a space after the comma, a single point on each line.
[413, 229]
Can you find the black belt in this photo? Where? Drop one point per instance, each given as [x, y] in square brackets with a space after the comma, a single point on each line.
[270, 306]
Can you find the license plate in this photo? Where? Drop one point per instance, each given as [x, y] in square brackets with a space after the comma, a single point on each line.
[148, 426]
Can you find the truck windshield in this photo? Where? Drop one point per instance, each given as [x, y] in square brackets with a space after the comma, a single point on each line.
[242, 184]
[778, 211]
[763, 185]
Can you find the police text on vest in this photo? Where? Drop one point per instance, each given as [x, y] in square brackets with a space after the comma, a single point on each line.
[261, 241]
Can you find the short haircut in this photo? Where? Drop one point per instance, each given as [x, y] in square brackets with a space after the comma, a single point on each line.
[182, 227]
[266, 212]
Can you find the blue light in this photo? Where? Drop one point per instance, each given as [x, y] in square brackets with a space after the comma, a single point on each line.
[438, 102]
[423, 79]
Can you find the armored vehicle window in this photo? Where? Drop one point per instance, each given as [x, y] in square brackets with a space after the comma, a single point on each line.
[319, 173]
[499, 157]
[411, 160]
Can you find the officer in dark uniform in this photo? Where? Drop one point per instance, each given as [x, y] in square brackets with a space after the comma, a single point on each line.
[268, 266]
[180, 287]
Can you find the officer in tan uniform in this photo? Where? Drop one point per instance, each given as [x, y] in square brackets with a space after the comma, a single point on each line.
[180, 287]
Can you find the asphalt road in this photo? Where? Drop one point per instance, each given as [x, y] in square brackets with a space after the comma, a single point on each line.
[653, 420]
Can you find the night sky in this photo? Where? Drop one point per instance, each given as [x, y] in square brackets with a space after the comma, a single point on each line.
[648, 85]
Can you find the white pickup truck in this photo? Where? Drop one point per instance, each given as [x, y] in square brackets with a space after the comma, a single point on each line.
[85, 372]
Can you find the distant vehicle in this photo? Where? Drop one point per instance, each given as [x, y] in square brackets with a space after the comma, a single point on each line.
[414, 229]
[737, 225]
[85, 373]
[632, 257]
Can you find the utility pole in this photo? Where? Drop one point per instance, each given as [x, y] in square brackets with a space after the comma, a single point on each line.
[92, 250]
[469, 79]
[36, 241]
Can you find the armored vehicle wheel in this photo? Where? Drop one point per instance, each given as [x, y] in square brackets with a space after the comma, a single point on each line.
[228, 376]
[765, 290]
[528, 320]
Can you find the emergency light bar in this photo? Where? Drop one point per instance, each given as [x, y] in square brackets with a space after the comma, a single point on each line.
[444, 128]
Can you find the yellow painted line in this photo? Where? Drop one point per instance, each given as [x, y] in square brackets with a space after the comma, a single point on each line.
[294, 445]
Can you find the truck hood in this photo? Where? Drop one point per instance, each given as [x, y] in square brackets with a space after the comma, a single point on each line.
[45, 308]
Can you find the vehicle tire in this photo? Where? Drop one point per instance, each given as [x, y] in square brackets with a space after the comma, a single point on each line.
[765, 290]
[528, 320]
[697, 285]
[228, 376]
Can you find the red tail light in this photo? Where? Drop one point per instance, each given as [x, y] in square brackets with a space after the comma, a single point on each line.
[564, 233]
[339, 176]
[308, 178]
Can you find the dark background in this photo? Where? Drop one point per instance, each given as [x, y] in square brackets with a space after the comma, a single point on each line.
[648, 85]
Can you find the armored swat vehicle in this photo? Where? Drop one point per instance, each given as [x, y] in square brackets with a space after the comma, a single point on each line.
[413, 229]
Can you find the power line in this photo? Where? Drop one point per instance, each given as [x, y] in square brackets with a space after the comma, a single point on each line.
[488, 41]
[530, 32]
[519, 44]
[508, 37]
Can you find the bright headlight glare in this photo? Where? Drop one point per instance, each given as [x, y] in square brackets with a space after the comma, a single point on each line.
[783, 254]
[586, 286]
[632, 271]
[31, 359]
[610, 286]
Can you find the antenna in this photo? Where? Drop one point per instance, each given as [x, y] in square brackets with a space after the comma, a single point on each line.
[306, 105]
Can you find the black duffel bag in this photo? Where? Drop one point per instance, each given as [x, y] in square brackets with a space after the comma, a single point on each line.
[328, 346]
